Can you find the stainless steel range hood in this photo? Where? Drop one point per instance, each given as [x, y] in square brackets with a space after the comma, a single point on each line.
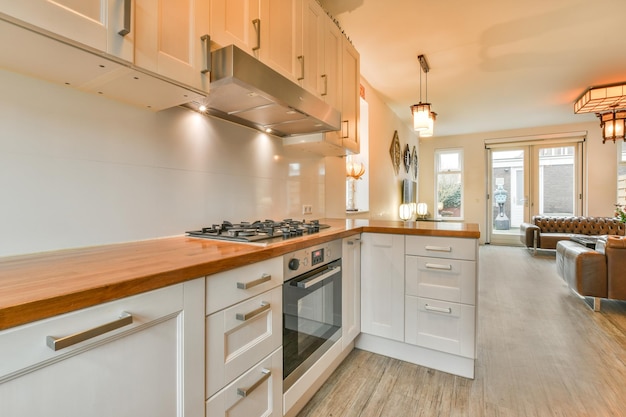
[246, 91]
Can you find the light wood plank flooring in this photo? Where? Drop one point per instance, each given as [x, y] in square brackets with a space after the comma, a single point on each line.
[541, 352]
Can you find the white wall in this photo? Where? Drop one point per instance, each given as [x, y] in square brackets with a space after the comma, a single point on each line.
[80, 170]
[601, 167]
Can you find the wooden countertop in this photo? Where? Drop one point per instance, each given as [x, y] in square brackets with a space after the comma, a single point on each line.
[42, 285]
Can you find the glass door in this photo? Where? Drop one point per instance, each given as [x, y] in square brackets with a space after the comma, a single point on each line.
[529, 180]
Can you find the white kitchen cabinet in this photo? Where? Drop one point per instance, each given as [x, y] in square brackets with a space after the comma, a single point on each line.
[350, 98]
[172, 40]
[263, 28]
[351, 290]
[256, 393]
[104, 25]
[244, 319]
[152, 365]
[382, 285]
[310, 44]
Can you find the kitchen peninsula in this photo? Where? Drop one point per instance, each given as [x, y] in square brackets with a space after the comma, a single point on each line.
[39, 288]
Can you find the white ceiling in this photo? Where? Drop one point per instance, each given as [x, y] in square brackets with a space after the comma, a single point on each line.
[494, 64]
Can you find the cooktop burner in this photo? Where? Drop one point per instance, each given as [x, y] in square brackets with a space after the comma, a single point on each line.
[258, 230]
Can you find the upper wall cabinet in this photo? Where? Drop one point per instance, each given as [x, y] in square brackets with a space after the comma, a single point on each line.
[350, 108]
[263, 28]
[172, 40]
[104, 25]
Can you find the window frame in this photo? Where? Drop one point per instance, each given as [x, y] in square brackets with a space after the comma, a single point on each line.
[459, 171]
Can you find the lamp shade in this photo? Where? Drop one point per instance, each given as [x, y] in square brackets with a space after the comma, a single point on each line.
[431, 126]
[405, 212]
[421, 116]
[613, 125]
[422, 209]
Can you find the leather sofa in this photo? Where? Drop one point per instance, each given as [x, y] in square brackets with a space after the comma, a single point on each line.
[598, 273]
[544, 232]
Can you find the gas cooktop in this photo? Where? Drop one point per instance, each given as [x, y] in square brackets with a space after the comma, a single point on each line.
[258, 231]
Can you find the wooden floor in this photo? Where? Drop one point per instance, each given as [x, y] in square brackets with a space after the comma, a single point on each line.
[541, 352]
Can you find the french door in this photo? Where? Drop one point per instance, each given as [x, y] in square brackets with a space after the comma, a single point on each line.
[531, 179]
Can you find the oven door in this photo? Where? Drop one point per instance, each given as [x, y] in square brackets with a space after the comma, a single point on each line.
[311, 319]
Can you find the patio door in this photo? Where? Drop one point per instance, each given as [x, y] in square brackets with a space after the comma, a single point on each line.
[528, 179]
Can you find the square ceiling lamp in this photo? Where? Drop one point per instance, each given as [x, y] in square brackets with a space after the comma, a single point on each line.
[609, 104]
[423, 117]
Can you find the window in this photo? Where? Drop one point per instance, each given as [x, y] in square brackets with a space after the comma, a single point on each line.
[449, 184]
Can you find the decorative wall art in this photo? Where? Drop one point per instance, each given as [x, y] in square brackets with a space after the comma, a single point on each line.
[407, 158]
[395, 152]
[414, 165]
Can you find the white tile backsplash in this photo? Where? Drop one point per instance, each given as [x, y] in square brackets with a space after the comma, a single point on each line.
[80, 170]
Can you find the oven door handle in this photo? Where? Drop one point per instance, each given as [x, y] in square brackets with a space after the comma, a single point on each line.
[309, 283]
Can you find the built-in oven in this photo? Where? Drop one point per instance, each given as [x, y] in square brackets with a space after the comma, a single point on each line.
[311, 307]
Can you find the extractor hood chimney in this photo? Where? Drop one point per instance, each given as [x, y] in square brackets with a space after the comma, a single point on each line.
[246, 91]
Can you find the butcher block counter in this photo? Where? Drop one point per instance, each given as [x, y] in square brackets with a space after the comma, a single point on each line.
[42, 285]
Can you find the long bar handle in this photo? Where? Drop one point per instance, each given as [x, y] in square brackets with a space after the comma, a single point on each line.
[244, 392]
[438, 248]
[55, 343]
[254, 283]
[438, 309]
[351, 242]
[439, 266]
[257, 27]
[311, 282]
[347, 134]
[301, 59]
[126, 28]
[325, 78]
[206, 40]
[247, 316]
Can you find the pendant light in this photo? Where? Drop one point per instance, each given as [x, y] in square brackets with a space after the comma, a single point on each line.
[613, 125]
[423, 117]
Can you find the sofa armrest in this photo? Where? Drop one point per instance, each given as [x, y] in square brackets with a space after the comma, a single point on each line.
[528, 231]
[615, 251]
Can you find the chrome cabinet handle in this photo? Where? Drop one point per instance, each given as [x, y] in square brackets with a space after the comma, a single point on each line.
[301, 59]
[59, 343]
[325, 78]
[438, 248]
[351, 242]
[206, 40]
[311, 282]
[439, 266]
[257, 27]
[126, 28]
[247, 316]
[254, 283]
[244, 392]
[438, 309]
[347, 134]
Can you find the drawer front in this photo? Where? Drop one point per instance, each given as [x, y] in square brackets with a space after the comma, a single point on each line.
[442, 247]
[441, 279]
[257, 393]
[240, 336]
[27, 345]
[228, 288]
[439, 325]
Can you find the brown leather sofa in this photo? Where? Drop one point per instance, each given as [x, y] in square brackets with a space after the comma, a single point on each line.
[544, 232]
[598, 273]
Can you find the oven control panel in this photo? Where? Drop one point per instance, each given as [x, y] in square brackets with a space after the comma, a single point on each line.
[307, 259]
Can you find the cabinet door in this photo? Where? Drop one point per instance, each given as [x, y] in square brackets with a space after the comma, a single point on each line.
[310, 46]
[235, 22]
[350, 108]
[351, 289]
[94, 23]
[382, 285]
[331, 78]
[278, 37]
[145, 368]
[171, 41]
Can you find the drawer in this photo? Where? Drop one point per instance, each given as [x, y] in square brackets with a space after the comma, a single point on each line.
[228, 288]
[442, 326]
[257, 393]
[441, 279]
[27, 345]
[234, 342]
[442, 247]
